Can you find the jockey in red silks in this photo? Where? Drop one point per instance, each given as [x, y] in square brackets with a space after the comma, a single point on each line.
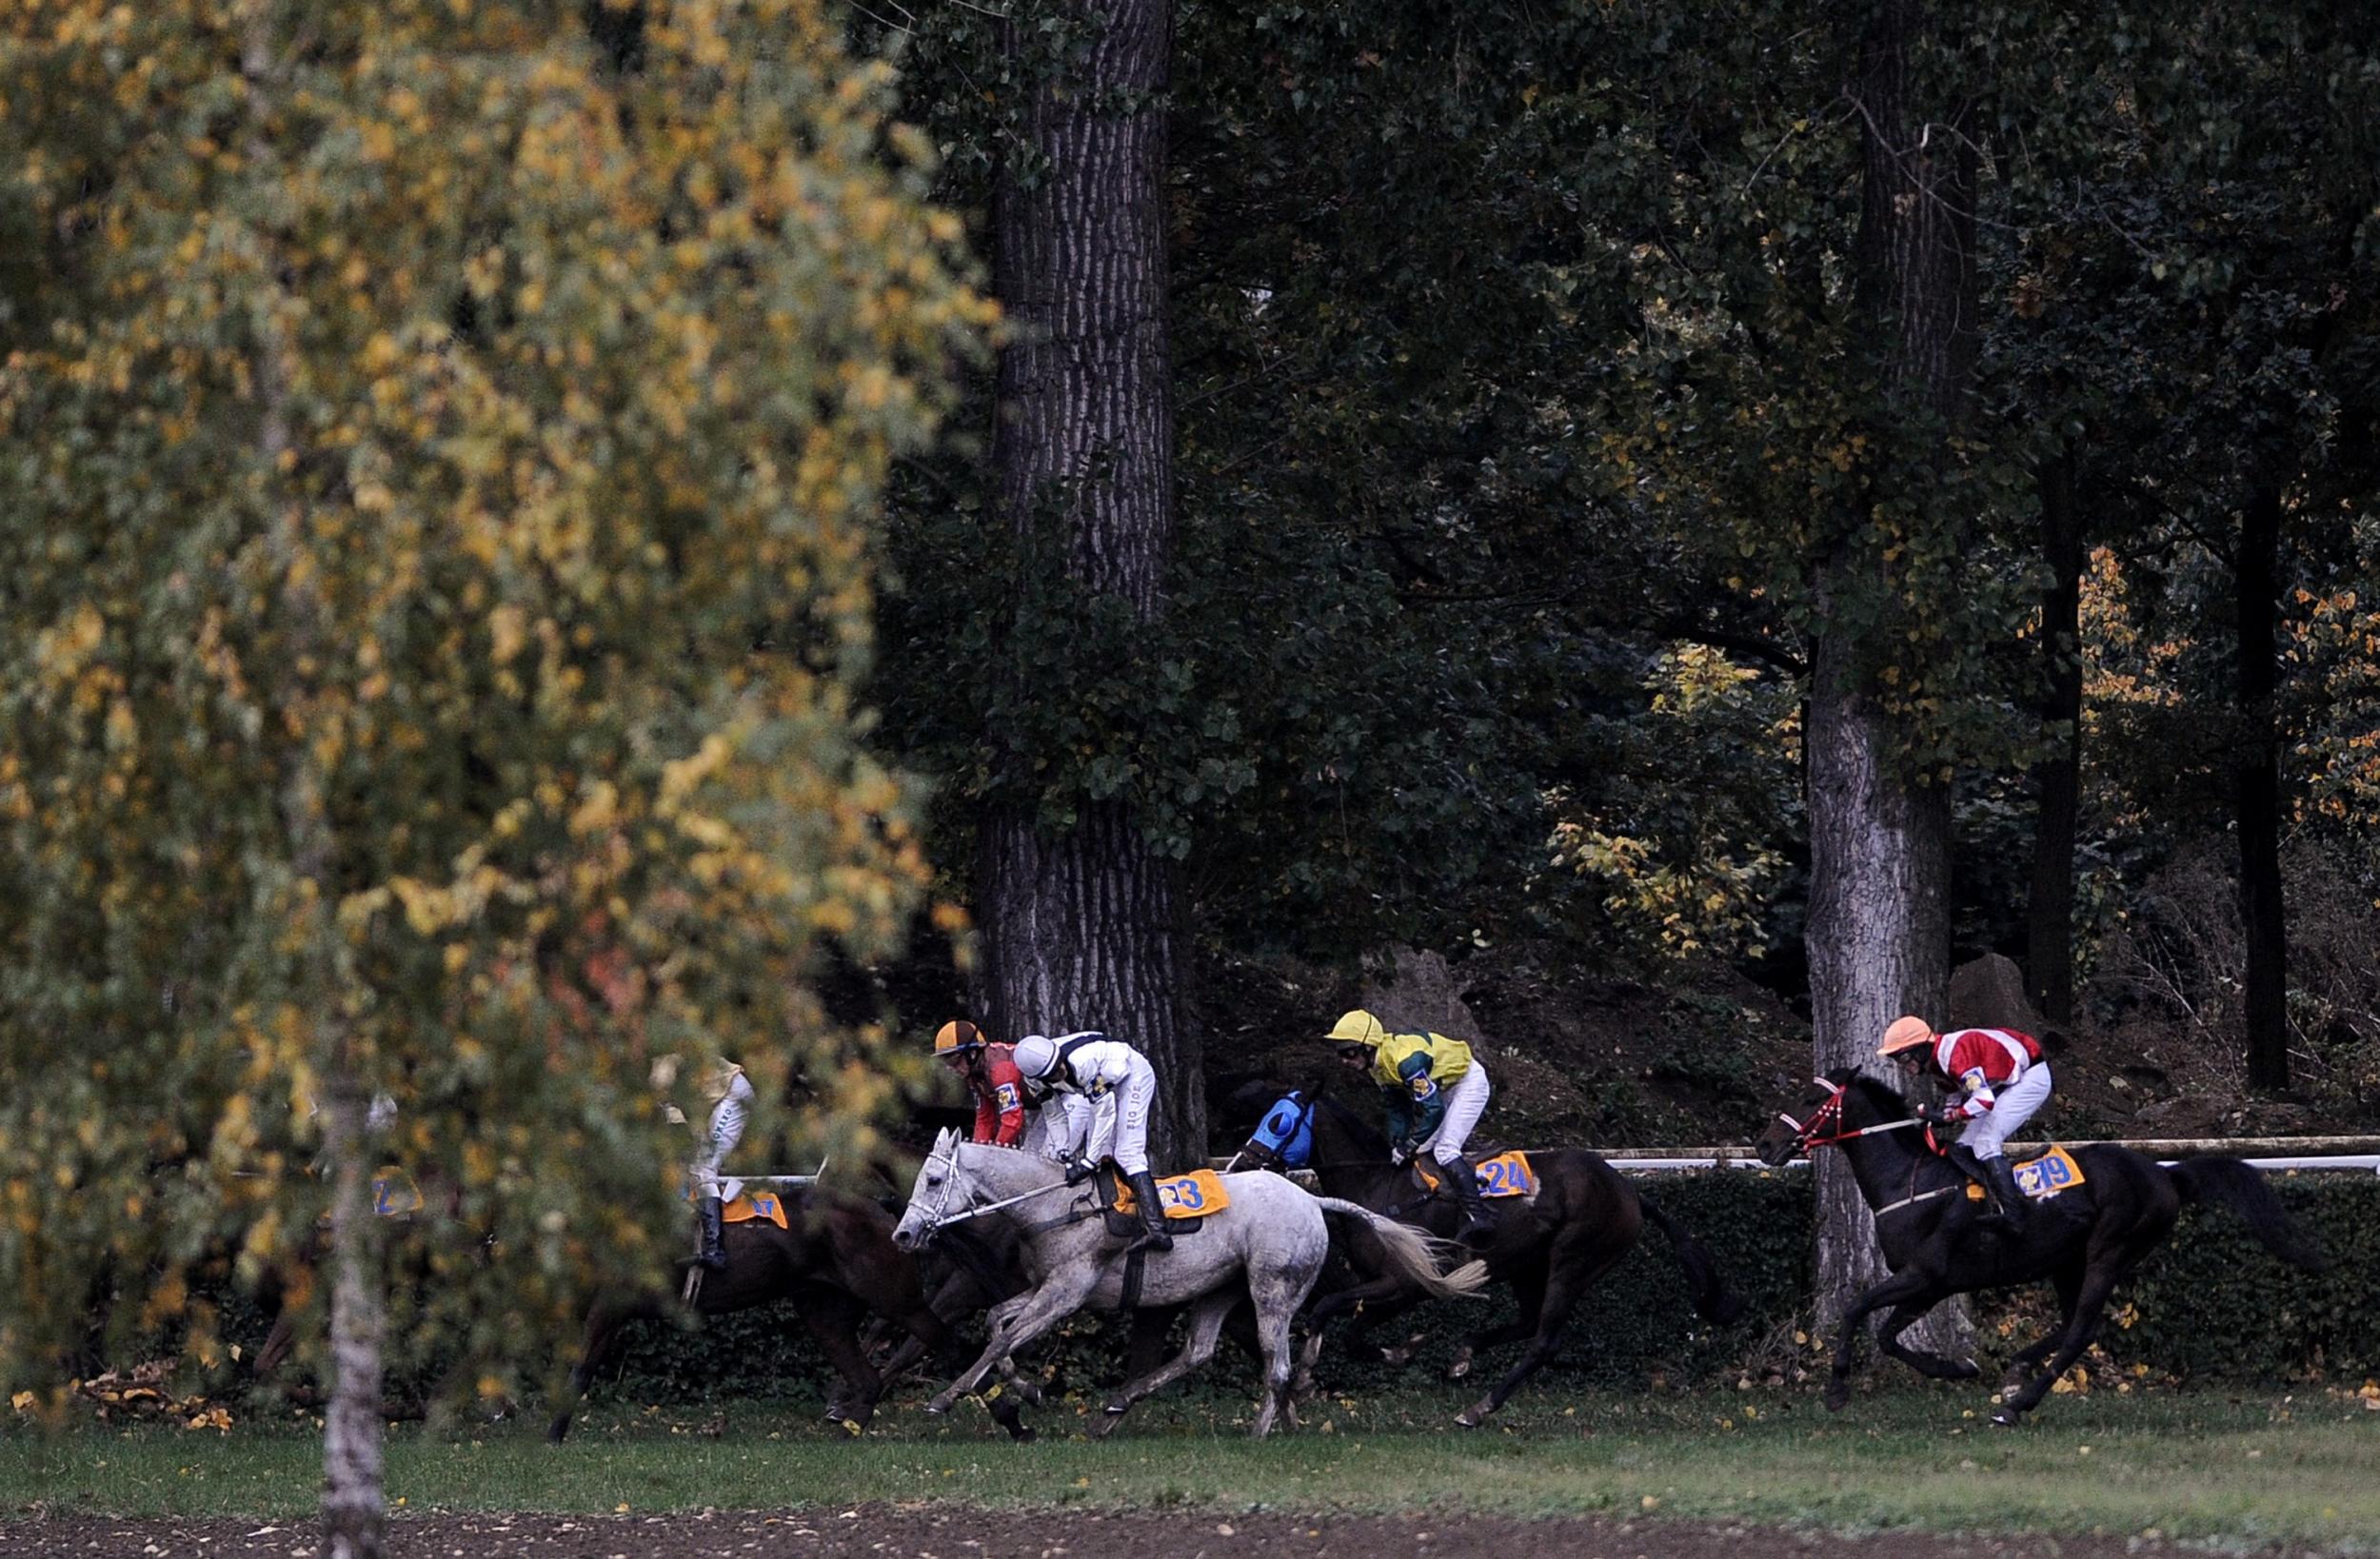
[990, 1074]
[2003, 1083]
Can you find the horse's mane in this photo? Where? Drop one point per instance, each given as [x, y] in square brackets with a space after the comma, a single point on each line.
[1882, 1097]
[1366, 1134]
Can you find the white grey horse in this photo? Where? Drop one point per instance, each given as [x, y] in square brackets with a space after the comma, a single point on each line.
[1273, 1230]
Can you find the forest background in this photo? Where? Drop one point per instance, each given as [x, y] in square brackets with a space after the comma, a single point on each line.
[531, 562]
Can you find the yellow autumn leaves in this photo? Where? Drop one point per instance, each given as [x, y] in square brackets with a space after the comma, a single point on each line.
[449, 494]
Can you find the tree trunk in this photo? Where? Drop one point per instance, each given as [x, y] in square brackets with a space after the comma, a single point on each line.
[1879, 833]
[1081, 924]
[1878, 938]
[2256, 786]
[2057, 778]
[355, 1518]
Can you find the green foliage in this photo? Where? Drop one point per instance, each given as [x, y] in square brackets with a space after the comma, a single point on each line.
[443, 470]
[2213, 1305]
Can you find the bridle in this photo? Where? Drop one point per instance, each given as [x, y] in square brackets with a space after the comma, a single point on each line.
[942, 1215]
[1830, 1114]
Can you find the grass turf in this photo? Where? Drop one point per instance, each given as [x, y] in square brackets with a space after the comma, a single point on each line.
[2244, 1467]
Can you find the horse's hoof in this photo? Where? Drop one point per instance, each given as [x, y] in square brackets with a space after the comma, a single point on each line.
[1473, 1417]
[1397, 1358]
[1965, 1370]
[1459, 1368]
[1024, 1435]
[2009, 1389]
[2007, 1418]
[1837, 1398]
[939, 1405]
[852, 1427]
[1105, 1424]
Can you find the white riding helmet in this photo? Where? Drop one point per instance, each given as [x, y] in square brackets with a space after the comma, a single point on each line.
[1036, 1056]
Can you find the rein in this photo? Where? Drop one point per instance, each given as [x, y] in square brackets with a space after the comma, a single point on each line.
[1806, 1136]
[940, 1219]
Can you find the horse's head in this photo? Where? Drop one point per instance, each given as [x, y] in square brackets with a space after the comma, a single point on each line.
[942, 1188]
[1284, 1138]
[1827, 1109]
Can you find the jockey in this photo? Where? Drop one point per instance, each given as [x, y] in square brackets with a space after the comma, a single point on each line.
[2003, 1083]
[1106, 1088]
[990, 1074]
[1435, 1089]
[730, 1093]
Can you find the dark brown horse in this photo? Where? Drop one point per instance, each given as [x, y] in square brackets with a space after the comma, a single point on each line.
[2084, 1240]
[1583, 1218]
[838, 1263]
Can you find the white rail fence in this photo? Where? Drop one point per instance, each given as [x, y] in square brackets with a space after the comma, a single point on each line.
[2356, 1155]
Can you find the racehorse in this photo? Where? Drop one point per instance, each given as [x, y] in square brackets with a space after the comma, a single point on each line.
[1552, 1249]
[1271, 1233]
[836, 1258]
[2086, 1239]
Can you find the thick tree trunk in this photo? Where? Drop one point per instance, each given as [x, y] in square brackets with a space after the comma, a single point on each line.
[1081, 924]
[1878, 934]
[355, 1519]
[2256, 786]
[2057, 778]
[1879, 833]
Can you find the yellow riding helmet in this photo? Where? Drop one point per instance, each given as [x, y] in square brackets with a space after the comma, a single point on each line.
[1905, 1034]
[958, 1037]
[1358, 1028]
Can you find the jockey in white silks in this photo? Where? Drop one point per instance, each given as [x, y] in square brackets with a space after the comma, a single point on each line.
[1106, 1088]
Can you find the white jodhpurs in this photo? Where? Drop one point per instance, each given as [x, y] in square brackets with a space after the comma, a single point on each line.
[726, 1130]
[1120, 1121]
[2011, 1107]
[1465, 1100]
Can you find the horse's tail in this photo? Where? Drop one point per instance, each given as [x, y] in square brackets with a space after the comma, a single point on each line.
[1712, 1299]
[1414, 1254]
[2238, 1186]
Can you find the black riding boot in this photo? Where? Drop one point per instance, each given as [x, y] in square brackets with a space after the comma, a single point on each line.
[1153, 1236]
[1479, 1224]
[1998, 1178]
[714, 1253]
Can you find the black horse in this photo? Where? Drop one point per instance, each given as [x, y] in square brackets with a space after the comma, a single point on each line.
[2086, 1239]
[1550, 1248]
[837, 1260]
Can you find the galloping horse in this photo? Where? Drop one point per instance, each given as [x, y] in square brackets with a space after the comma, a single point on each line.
[1272, 1233]
[1583, 1218]
[2086, 1239]
[837, 1258]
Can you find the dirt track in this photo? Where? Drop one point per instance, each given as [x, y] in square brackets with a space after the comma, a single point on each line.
[951, 1532]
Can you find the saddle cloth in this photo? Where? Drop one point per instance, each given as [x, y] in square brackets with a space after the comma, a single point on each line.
[1196, 1194]
[1506, 1175]
[2040, 1178]
[1186, 1198]
[755, 1205]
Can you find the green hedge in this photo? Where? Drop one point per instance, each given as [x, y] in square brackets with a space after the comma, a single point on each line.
[2210, 1305]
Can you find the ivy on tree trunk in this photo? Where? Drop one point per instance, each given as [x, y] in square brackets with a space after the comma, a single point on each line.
[1879, 828]
[1080, 912]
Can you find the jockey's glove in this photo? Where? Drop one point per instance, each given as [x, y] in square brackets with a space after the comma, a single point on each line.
[1947, 1113]
[1080, 1170]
